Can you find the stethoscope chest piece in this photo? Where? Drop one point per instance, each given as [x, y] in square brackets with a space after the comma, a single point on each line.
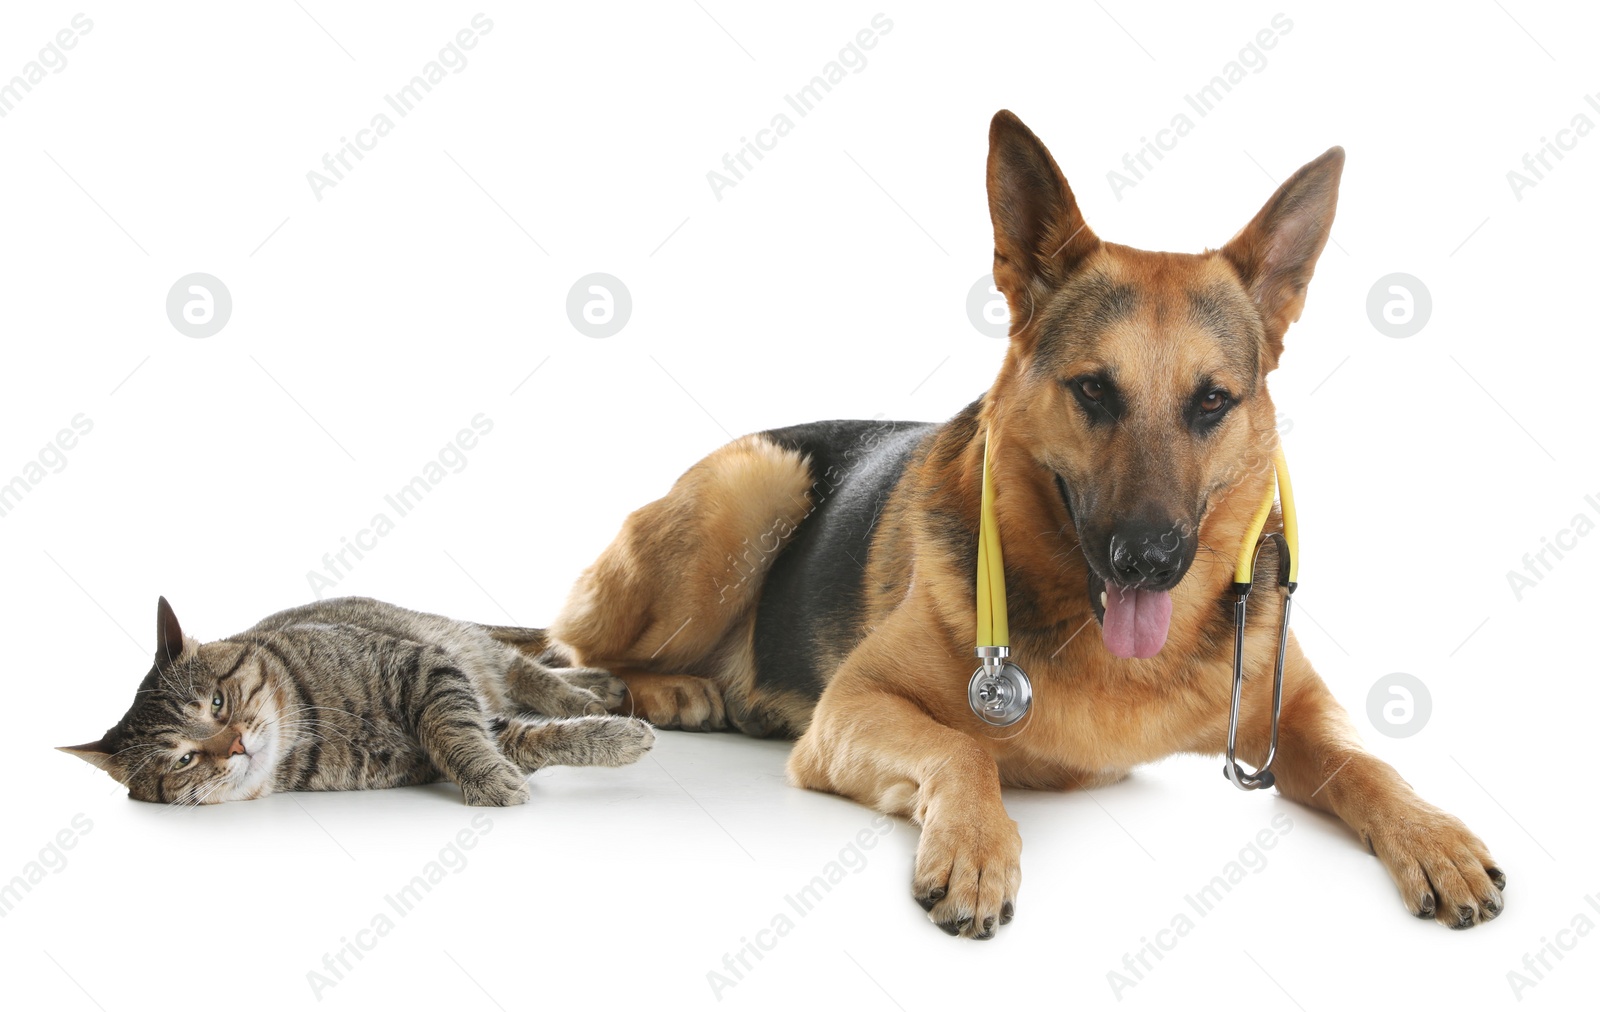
[999, 692]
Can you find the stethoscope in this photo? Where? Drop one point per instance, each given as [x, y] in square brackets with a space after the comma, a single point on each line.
[1000, 692]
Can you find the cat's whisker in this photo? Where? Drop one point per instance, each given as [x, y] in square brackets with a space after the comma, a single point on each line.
[192, 798]
[301, 709]
[301, 725]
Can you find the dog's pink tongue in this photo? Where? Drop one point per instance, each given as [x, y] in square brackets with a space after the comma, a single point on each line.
[1136, 621]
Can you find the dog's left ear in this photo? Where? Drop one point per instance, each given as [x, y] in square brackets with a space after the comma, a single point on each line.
[1039, 233]
[1276, 253]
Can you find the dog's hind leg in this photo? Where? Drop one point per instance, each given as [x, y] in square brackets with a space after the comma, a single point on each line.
[675, 702]
[666, 602]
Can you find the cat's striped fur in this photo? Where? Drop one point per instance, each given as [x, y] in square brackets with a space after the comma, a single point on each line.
[353, 694]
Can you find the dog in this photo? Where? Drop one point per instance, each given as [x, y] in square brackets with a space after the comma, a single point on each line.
[817, 582]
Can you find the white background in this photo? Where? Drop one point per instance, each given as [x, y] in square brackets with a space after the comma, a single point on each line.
[369, 326]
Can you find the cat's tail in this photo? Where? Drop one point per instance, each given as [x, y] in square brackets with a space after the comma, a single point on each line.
[533, 641]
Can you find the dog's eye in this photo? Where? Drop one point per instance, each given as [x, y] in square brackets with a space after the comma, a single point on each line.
[1092, 388]
[1213, 402]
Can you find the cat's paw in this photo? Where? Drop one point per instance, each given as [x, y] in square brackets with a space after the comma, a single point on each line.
[500, 788]
[594, 741]
[624, 740]
[607, 688]
[576, 741]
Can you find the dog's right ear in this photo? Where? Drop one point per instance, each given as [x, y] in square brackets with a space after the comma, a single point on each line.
[1039, 233]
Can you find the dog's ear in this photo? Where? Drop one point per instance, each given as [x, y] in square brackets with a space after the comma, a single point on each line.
[1039, 234]
[1276, 253]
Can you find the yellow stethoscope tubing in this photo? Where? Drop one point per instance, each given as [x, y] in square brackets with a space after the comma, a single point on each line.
[993, 631]
[1283, 492]
[993, 628]
[1243, 580]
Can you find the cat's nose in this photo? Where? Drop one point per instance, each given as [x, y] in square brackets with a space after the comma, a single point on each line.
[225, 744]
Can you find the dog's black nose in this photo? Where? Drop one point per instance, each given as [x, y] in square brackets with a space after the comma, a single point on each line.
[1144, 555]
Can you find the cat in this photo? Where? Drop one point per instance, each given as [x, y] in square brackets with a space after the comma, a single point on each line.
[356, 694]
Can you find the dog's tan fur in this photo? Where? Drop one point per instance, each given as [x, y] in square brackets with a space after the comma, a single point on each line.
[671, 604]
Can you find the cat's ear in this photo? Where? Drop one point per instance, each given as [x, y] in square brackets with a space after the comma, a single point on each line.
[94, 752]
[169, 635]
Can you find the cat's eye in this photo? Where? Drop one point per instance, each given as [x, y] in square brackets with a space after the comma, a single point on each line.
[216, 702]
[184, 760]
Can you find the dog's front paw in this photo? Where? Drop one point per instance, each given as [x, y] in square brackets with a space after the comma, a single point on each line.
[500, 788]
[1443, 871]
[968, 872]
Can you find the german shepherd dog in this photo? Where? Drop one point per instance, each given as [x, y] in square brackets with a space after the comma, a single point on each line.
[817, 582]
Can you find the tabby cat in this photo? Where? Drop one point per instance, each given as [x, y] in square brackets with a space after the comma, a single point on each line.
[354, 694]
